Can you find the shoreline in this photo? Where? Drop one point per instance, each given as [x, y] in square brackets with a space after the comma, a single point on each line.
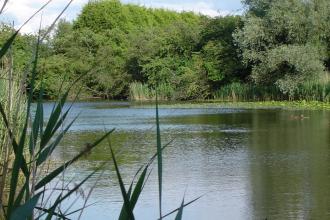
[289, 105]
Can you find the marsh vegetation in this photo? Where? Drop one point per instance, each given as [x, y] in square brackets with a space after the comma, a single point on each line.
[275, 54]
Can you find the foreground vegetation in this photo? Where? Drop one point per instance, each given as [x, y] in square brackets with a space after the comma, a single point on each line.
[30, 187]
[117, 51]
[276, 50]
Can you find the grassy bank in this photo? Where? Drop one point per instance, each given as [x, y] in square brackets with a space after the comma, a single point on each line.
[312, 105]
[238, 92]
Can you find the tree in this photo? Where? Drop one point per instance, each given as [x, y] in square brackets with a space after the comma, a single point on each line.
[282, 42]
[222, 59]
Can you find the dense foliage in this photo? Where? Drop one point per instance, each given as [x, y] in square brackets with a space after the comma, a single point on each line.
[286, 42]
[124, 51]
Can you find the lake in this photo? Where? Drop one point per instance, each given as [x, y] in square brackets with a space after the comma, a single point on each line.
[248, 163]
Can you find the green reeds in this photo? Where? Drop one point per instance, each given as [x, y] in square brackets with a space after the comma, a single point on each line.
[142, 92]
[11, 97]
[132, 195]
[308, 91]
[32, 151]
[237, 92]
[27, 148]
[313, 91]
[159, 157]
[33, 143]
[139, 92]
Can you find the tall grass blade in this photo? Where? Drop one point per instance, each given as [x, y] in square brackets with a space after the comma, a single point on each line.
[20, 195]
[15, 171]
[10, 41]
[156, 154]
[51, 27]
[51, 211]
[3, 6]
[74, 189]
[19, 158]
[180, 212]
[24, 211]
[54, 123]
[60, 169]
[62, 217]
[127, 205]
[14, 143]
[5, 47]
[135, 195]
[175, 210]
[159, 158]
[49, 149]
[138, 188]
[34, 14]
[81, 209]
[37, 124]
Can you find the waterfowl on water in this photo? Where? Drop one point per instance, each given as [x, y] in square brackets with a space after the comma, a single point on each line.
[296, 117]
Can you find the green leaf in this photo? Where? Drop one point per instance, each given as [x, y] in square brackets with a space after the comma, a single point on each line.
[136, 194]
[26, 210]
[138, 188]
[7, 44]
[20, 195]
[175, 210]
[74, 189]
[3, 6]
[53, 123]
[14, 143]
[159, 158]
[48, 150]
[179, 215]
[37, 122]
[127, 205]
[53, 213]
[60, 169]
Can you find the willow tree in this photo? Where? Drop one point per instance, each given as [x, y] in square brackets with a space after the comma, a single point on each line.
[285, 42]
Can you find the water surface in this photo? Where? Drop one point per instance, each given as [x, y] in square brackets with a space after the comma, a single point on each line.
[248, 163]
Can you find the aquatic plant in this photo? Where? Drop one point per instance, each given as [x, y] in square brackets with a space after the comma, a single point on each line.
[32, 144]
[27, 149]
[131, 196]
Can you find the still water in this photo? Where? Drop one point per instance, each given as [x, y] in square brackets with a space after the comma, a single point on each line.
[248, 163]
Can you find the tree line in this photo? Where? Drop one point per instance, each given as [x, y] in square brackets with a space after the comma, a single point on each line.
[125, 51]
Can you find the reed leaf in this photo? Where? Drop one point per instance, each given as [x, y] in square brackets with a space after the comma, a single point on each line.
[54, 123]
[180, 212]
[26, 210]
[37, 124]
[138, 188]
[184, 205]
[159, 158]
[60, 169]
[5, 47]
[20, 195]
[74, 189]
[51, 211]
[13, 140]
[47, 151]
[61, 216]
[3, 6]
[135, 195]
[15, 174]
[127, 204]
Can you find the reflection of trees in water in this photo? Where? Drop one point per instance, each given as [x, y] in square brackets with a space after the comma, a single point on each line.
[290, 165]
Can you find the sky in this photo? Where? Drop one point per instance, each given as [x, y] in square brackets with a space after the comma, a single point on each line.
[18, 11]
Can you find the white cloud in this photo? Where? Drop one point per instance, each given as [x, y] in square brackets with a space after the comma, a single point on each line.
[201, 7]
[20, 10]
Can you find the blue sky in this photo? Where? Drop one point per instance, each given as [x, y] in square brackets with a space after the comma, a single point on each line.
[19, 10]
